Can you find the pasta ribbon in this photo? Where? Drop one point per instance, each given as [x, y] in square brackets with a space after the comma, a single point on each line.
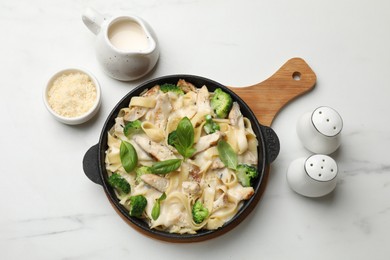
[228, 177]
[198, 118]
[223, 215]
[198, 131]
[153, 132]
[132, 114]
[176, 101]
[149, 102]
[189, 99]
[112, 160]
[248, 127]
[231, 138]
[173, 121]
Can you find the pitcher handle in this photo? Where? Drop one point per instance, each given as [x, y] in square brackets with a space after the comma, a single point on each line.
[93, 20]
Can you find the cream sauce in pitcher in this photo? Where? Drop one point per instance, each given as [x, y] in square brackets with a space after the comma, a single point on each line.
[127, 35]
[126, 46]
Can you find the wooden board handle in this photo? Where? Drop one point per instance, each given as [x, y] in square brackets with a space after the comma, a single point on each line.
[267, 98]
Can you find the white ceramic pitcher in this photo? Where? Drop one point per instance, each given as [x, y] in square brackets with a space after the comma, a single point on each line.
[126, 46]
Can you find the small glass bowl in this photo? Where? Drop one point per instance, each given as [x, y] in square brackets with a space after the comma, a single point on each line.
[79, 119]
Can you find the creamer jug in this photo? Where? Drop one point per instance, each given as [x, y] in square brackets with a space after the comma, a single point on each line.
[126, 46]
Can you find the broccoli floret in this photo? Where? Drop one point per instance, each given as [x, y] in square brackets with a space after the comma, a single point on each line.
[221, 103]
[245, 174]
[141, 171]
[118, 182]
[171, 88]
[199, 212]
[210, 126]
[172, 137]
[137, 205]
[132, 127]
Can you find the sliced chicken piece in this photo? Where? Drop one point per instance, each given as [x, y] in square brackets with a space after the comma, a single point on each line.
[207, 141]
[157, 182]
[118, 127]
[237, 121]
[248, 157]
[190, 187]
[217, 164]
[203, 100]
[160, 113]
[118, 130]
[176, 100]
[134, 113]
[157, 150]
[239, 193]
[194, 172]
[185, 86]
[142, 155]
[151, 92]
[221, 202]
[235, 114]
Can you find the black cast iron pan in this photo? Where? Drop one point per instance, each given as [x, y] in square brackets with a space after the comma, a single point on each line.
[268, 149]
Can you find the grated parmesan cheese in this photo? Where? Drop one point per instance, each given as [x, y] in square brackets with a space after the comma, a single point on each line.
[72, 95]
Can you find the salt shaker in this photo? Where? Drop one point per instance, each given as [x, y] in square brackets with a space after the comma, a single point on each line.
[320, 130]
[314, 176]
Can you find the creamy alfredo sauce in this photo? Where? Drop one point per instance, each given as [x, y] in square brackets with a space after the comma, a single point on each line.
[127, 35]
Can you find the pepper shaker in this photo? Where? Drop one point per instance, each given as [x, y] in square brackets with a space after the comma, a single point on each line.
[320, 130]
[314, 176]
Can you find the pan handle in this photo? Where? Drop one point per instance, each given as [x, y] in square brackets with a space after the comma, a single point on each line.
[272, 144]
[91, 164]
[267, 98]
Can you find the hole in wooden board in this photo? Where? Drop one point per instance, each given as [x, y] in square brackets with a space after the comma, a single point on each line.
[296, 75]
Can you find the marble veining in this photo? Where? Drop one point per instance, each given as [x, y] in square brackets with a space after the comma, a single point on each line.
[51, 226]
[366, 167]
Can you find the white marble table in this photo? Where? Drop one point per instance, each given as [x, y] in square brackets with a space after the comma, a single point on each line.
[50, 210]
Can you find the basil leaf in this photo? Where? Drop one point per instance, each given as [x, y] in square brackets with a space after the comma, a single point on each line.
[156, 207]
[186, 152]
[128, 155]
[172, 137]
[165, 167]
[185, 138]
[227, 154]
[185, 132]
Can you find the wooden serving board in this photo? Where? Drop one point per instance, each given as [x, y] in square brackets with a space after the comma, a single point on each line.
[267, 98]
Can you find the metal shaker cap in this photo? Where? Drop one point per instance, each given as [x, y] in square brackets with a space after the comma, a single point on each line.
[321, 167]
[327, 121]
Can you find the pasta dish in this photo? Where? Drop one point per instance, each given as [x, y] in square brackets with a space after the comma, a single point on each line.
[182, 158]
